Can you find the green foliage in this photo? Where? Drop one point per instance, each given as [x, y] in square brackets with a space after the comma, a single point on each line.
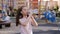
[0, 11]
[15, 9]
[56, 8]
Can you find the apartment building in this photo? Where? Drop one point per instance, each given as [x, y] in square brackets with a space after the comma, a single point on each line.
[19, 3]
[29, 3]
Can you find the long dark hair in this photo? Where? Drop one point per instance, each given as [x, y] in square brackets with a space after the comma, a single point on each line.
[19, 15]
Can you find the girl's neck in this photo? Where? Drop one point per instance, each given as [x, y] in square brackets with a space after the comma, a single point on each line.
[24, 15]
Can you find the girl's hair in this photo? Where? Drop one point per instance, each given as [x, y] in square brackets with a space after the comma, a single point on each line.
[19, 15]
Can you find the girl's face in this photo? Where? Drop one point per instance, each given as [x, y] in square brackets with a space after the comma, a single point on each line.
[24, 11]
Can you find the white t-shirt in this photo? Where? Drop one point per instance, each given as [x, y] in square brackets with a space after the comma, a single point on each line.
[7, 19]
[28, 28]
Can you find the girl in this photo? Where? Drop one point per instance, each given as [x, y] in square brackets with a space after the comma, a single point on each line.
[25, 21]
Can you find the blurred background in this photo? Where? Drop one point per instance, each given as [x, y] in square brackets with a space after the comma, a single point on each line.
[11, 6]
[37, 7]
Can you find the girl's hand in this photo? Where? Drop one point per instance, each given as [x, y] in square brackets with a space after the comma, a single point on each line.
[34, 21]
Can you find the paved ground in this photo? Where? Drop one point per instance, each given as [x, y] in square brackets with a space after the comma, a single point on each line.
[41, 29]
[37, 30]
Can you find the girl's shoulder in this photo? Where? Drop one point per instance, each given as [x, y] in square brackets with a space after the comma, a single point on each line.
[22, 19]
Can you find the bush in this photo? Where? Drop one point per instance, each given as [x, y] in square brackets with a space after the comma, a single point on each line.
[58, 14]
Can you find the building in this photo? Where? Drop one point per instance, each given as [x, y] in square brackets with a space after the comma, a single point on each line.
[29, 3]
[33, 3]
[19, 3]
[0, 5]
[14, 3]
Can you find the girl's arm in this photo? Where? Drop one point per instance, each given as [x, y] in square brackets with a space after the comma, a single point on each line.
[34, 21]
